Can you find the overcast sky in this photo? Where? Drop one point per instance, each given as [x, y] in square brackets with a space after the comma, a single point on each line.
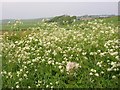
[26, 10]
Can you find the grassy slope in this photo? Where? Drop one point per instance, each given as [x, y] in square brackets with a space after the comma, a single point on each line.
[33, 23]
[26, 24]
[112, 20]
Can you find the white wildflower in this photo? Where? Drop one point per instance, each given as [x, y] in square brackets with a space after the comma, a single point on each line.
[113, 77]
[96, 74]
[91, 73]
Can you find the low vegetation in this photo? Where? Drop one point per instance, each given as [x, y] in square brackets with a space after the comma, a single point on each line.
[77, 55]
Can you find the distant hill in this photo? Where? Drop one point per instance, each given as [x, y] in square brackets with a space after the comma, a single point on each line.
[63, 19]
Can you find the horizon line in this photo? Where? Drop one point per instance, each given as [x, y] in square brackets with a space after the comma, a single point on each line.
[61, 15]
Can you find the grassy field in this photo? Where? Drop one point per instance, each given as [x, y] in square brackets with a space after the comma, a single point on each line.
[48, 55]
[25, 24]
[36, 23]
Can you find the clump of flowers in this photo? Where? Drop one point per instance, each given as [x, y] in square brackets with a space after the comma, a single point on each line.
[71, 67]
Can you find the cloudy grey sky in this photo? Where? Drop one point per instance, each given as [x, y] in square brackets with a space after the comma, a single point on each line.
[26, 10]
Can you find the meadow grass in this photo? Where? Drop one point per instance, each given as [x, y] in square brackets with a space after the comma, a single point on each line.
[40, 57]
[36, 23]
